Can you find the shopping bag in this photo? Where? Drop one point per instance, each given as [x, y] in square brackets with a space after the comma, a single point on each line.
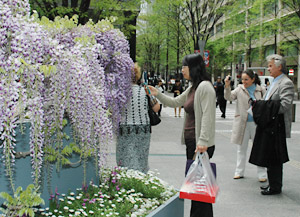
[200, 183]
[189, 163]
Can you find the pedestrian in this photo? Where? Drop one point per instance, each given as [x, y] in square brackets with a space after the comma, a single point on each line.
[267, 84]
[133, 141]
[221, 101]
[243, 125]
[273, 116]
[160, 87]
[199, 101]
[177, 90]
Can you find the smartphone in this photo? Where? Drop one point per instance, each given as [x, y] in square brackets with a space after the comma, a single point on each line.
[148, 89]
[229, 78]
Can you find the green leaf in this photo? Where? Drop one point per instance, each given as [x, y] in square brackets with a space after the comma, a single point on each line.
[64, 122]
[65, 161]
[19, 189]
[66, 136]
[7, 197]
[51, 158]
[30, 212]
[24, 62]
[23, 211]
[76, 149]
[67, 151]
[47, 70]
[30, 187]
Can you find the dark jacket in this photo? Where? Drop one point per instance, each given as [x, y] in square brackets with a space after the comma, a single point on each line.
[219, 87]
[269, 145]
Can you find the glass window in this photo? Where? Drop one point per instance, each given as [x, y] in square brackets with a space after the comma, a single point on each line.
[240, 37]
[212, 32]
[271, 9]
[219, 27]
[292, 51]
[268, 29]
[240, 19]
[254, 54]
[269, 50]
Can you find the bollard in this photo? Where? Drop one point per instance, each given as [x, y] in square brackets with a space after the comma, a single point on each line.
[293, 112]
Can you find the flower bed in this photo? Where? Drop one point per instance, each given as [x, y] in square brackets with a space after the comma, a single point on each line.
[122, 192]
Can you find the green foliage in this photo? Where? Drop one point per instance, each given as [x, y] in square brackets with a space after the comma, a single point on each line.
[47, 70]
[162, 39]
[221, 54]
[122, 12]
[53, 8]
[22, 202]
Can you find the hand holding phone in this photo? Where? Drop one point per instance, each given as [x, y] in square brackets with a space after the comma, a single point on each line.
[147, 89]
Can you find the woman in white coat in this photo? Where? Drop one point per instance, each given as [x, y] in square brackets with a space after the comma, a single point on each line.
[243, 126]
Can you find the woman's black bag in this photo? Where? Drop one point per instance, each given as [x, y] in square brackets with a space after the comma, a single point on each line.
[154, 119]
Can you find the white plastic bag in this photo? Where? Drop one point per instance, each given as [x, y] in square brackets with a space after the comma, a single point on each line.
[200, 183]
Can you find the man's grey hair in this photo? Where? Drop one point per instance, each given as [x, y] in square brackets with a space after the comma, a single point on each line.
[278, 60]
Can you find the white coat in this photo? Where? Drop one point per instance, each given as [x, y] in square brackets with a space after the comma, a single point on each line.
[241, 95]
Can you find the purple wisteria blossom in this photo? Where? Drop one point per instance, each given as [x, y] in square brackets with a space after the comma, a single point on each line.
[50, 73]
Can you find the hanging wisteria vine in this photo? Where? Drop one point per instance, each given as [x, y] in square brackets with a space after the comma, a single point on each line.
[52, 71]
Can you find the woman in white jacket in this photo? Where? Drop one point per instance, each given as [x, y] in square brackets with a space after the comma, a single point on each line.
[243, 125]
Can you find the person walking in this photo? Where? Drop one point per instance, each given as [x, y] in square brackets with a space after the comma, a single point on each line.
[160, 87]
[243, 125]
[221, 101]
[273, 117]
[177, 90]
[133, 141]
[199, 101]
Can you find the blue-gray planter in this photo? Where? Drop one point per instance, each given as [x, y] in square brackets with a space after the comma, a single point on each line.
[174, 207]
[67, 179]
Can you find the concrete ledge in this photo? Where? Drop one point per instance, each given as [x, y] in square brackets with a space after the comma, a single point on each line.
[174, 207]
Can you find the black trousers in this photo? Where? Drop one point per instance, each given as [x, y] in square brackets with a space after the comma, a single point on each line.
[222, 104]
[199, 209]
[275, 177]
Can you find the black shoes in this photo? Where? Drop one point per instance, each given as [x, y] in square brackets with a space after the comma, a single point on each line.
[264, 187]
[269, 191]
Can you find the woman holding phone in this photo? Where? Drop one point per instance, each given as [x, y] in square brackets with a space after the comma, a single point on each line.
[199, 102]
[133, 141]
[243, 128]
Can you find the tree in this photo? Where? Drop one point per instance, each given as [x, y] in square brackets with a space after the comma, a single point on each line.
[53, 8]
[124, 13]
[85, 9]
[200, 17]
[290, 27]
[220, 55]
[162, 39]
[149, 41]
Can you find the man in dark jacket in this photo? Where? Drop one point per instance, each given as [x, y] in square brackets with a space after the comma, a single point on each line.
[280, 95]
[221, 101]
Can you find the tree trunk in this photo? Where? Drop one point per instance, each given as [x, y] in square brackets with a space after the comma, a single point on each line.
[167, 58]
[64, 3]
[74, 3]
[84, 6]
[132, 37]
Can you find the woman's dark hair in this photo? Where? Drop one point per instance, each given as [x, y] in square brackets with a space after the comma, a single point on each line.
[197, 69]
[252, 75]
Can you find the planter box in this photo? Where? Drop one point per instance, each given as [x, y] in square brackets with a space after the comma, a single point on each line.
[67, 179]
[174, 207]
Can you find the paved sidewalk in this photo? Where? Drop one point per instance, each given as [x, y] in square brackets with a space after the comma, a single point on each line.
[237, 198]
